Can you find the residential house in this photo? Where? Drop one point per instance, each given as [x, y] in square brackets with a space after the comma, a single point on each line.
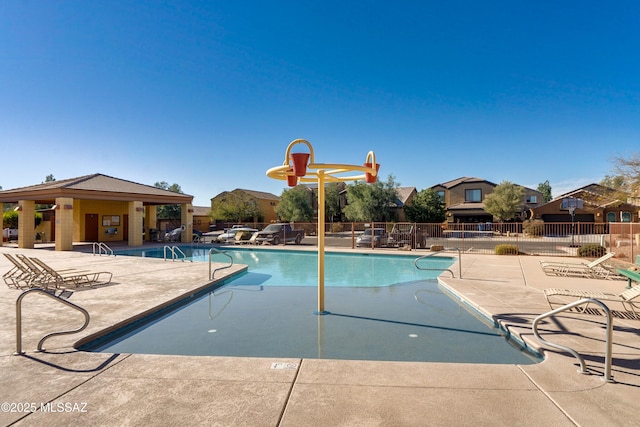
[201, 220]
[599, 205]
[405, 196]
[464, 200]
[266, 203]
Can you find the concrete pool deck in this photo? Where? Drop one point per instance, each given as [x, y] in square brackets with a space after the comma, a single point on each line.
[69, 387]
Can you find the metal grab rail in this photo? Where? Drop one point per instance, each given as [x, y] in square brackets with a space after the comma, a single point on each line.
[176, 252]
[102, 248]
[211, 252]
[442, 269]
[52, 334]
[609, 333]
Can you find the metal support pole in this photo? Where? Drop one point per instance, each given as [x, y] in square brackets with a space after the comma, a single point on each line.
[333, 172]
[321, 221]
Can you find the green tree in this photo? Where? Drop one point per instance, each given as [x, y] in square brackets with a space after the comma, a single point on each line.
[545, 189]
[505, 200]
[235, 206]
[10, 219]
[426, 206]
[613, 182]
[168, 211]
[626, 178]
[40, 206]
[295, 205]
[371, 202]
[332, 201]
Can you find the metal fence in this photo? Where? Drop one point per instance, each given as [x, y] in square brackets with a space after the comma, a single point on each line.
[552, 239]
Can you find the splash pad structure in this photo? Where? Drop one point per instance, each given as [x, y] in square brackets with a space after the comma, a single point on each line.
[301, 167]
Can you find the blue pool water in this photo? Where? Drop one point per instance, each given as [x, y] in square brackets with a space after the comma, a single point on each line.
[380, 308]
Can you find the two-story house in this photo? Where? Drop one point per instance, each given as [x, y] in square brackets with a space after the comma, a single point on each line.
[464, 200]
[265, 203]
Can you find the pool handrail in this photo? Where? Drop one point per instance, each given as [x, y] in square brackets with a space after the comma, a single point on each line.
[102, 247]
[176, 252]
[415, 262]
[211, 252]
[608, 342]
[19, 351]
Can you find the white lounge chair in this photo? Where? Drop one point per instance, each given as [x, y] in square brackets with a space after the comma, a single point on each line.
[626, 298]
[593, 269]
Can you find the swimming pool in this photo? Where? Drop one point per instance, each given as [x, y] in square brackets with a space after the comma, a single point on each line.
[380, 308]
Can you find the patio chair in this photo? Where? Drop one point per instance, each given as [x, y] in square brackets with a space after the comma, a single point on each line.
[19, 276]
[38, 276]
[594, 269]
[626, 298]
[69, 277]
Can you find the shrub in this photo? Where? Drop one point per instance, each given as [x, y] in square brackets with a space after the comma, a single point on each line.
[533, 227]
[507, 250]
[592, 250]
[10, 219]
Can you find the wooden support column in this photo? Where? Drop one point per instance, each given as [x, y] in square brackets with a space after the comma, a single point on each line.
[186, 218]
[150, 220]
[26, 224]
[136, 218]
[64, 224]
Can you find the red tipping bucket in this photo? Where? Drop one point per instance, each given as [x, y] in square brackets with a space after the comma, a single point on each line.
[300, 163]
[369, 177]
[292, 180]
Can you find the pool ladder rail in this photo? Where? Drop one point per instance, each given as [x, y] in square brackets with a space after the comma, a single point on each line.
[213, 251]
[176, 253]
[19, 351]
[608, 335]
[101, 248]
[415, 262]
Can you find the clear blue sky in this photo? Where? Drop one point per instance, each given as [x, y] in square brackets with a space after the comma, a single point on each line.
[208, 94]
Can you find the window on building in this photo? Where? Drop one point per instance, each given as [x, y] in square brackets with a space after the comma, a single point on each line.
[532, 199]
[440, 194]
[611, 217]
[625, 216]
[473, 195]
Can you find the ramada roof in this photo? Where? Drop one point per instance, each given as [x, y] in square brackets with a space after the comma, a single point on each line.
[95, 187]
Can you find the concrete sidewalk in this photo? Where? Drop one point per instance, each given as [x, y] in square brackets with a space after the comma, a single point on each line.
[63, 386]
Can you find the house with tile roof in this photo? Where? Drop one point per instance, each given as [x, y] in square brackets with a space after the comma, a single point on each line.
[265, 203]
[464, 200]
[599, 205]
[201, 220]
[405, 196]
